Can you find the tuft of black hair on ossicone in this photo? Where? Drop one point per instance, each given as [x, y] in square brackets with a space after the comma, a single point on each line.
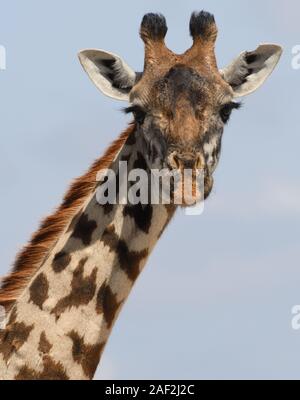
[154, 27]
[202, 24]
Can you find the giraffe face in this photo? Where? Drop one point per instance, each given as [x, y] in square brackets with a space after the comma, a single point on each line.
[181, 102]
[181, 118]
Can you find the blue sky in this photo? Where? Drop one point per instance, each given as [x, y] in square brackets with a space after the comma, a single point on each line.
[216, 296]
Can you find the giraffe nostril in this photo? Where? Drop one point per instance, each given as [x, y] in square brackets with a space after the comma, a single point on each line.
[176, 161]
[199, 162]
[185, 161]
[173, 161]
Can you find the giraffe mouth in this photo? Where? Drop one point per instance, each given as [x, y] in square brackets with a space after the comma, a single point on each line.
[186, 187]
[182, 187]
[192, 191]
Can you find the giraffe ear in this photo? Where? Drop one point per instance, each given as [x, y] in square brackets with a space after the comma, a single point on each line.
[250, 69]
[108, 72]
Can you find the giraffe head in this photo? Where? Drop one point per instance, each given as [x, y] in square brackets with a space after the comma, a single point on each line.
[181, 103]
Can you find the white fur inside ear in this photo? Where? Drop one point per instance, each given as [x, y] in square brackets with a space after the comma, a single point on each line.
[250, 70]
[108, 72]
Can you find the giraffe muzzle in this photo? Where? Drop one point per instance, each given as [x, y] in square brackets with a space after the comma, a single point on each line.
[186, 161]
[192, 185]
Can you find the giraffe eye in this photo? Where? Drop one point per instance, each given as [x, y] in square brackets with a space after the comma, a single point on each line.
[139, 116]
[225, 113]
[226, 110]
[138, 113]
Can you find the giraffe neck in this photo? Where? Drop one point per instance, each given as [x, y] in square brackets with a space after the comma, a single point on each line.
[58, 327]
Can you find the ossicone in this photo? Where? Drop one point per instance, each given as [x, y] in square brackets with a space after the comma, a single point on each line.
[153, 27]
[203, 26]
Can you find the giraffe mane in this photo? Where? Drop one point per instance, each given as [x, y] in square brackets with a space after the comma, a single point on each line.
[30, 258]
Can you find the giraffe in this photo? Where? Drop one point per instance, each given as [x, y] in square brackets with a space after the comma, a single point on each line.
[71, 280]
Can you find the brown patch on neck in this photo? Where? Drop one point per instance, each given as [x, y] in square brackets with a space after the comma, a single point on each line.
[84, 229]
[129, 261]
[52, 371]
[107, 304]
[83, 290]
[33, 255]
[61, 261]
[14, 336]
[39, 290]
[44, 345]
[88, 356]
